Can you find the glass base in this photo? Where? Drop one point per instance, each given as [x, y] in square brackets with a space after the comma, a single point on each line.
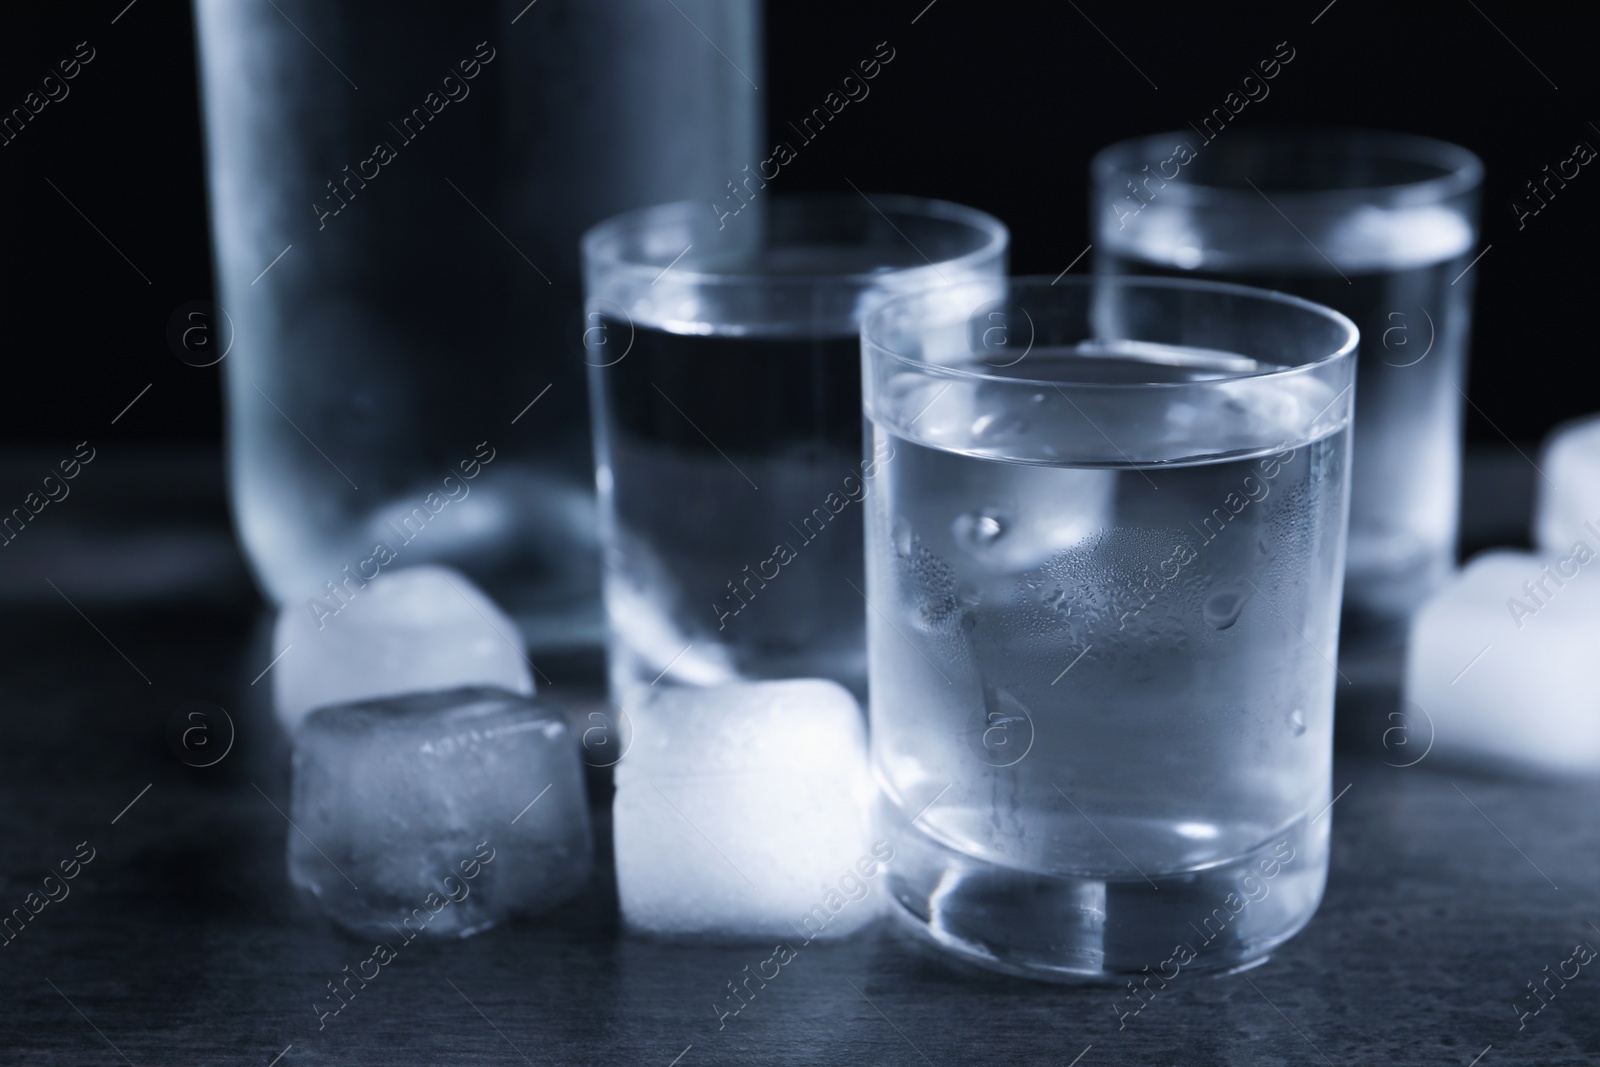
[1069, 928]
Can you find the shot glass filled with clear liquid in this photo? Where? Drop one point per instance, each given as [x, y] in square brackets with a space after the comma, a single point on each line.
[1104, 567]
[1380, 226]
[724, 375]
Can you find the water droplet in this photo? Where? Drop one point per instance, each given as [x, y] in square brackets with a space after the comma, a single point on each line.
[969, 595]
[900, 535]
[978, 529]
[1039, 398]
[1222, 608]
[1297, 722]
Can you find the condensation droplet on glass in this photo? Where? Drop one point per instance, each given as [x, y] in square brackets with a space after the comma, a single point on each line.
[969, 594]
[1222, 608]
[978, 529]
[1297, 722]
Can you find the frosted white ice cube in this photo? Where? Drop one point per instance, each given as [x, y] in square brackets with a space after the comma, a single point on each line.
[419, 628]
[1504, 663]
[743, 811]
[1567, 505]
[437, 813]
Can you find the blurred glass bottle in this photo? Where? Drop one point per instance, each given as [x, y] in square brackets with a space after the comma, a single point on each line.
[397, 195]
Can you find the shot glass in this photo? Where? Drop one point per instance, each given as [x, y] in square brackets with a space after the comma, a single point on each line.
[725, 383]
[1382, 227]
[1104, 562]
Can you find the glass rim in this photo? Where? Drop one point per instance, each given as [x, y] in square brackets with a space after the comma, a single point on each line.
[874, 347]
[600, 243]
[1460, 169]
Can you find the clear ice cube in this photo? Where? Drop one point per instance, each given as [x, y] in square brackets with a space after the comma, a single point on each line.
[437, 813]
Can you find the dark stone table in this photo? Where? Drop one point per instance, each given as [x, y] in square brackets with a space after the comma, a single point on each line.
[181, 942]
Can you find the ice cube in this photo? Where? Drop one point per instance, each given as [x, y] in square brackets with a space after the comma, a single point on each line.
[1567, 508]
[420, 628]
[437, 813]
[742, 811]
[1504, 664]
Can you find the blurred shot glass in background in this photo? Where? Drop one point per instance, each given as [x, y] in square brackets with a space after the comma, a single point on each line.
[1379, 226]
[725, 381]
[1104, 567]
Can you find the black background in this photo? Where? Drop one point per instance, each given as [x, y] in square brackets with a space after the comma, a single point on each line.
[995, 105]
